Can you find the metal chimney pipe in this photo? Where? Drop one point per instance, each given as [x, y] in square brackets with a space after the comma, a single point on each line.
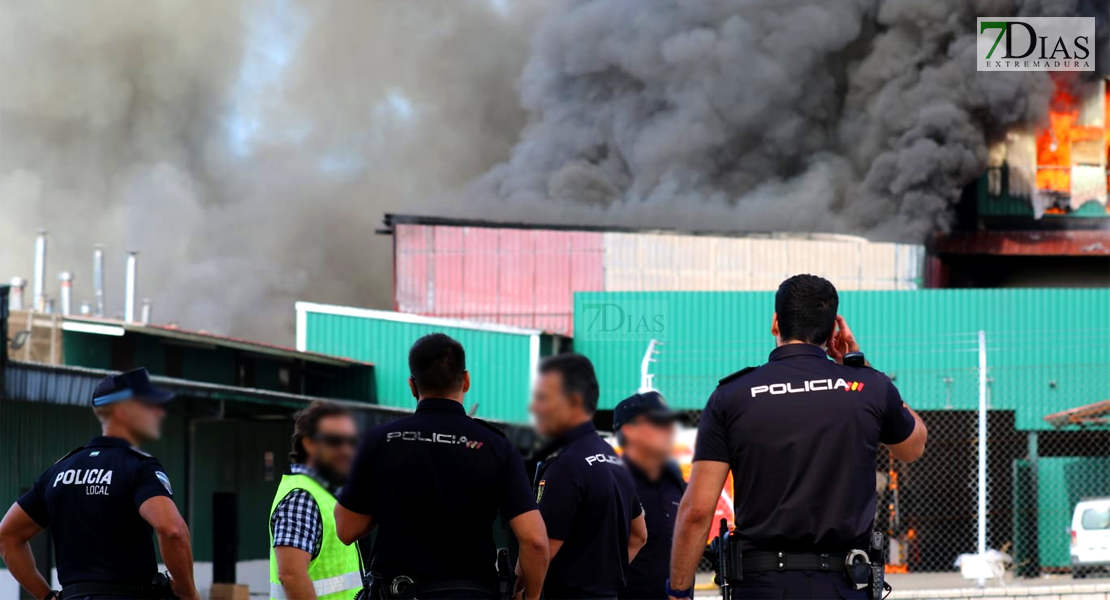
[85, 310]
[98, 280]
[148, 306]
[129, 287]
[65, 294]
[40, 272]
[16, 301]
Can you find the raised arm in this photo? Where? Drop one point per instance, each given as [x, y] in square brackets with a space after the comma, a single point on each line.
[351, 526]
[911, 448]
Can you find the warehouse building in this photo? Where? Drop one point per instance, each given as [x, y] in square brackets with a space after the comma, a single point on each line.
[225, 439]
[502, 359]
[525, 275]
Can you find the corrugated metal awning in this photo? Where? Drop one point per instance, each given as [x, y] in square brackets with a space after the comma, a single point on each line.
[68, 385]
[1097, 413]
[73, 386]
[1025, 243]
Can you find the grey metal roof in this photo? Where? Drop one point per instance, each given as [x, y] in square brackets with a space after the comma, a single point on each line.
[75, 323]
[70, 385]
[73, 386]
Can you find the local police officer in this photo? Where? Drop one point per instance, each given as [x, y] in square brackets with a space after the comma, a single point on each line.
[101, 502]
[589, 503]
[800, 435]
[645, 428]
[432, 484]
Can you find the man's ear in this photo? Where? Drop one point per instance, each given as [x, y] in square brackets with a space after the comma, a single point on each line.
[576, 401]
[775, 324]
[412, 388]
[466, 382]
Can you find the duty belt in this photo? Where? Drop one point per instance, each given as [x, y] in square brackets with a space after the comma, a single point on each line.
[402, 587]
[756, 561]
[122, 590]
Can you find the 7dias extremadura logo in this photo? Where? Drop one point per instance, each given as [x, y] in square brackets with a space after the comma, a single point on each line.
[1035, 44]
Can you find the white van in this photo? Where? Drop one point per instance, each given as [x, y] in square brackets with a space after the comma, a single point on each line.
[1090, 536]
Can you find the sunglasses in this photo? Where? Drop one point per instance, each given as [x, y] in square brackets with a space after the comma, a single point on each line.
[335, 440]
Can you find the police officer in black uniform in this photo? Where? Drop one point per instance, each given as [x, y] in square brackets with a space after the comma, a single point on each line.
[800, 435]
[587, 497]
[645, 428]
[101, 503]
[432, 484]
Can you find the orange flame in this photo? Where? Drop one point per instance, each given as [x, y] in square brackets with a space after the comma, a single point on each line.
[1054, 160]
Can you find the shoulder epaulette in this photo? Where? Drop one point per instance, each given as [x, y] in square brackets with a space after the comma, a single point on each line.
[491, 427]
[140, 452]
[736, 375]
[71, 453]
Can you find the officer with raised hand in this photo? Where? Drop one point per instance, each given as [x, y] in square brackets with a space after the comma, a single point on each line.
[587, 497]
[432, 485]
[645, 428]
[101, 503]
[800, 434]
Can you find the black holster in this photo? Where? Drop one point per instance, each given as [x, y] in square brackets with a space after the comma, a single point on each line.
[877, 587]
[728, 566]
[506, 574]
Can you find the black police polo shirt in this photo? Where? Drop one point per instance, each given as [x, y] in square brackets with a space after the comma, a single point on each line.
[647, 575]
[434, 482]
[89, 501]
[588, 500]
[801, 435]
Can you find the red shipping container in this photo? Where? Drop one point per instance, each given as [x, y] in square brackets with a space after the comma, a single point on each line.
[519, 277]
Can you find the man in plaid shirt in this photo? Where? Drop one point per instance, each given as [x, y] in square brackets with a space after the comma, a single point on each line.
[324, 442]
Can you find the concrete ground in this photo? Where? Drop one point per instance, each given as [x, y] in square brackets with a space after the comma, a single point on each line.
[936, 581]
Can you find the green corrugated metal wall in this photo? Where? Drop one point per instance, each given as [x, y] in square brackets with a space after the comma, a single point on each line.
[1063, 482]
[1048, 349]
[499, 363]
[231, 458]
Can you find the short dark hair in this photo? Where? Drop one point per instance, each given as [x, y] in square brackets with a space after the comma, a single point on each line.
[308, 420]
[806, 306]
[437, 364]
[578, 377]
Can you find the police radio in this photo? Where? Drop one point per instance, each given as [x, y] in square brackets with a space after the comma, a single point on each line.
[855, 359]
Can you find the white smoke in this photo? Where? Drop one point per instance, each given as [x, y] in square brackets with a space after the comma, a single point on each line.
[249, 148]
[246, 149]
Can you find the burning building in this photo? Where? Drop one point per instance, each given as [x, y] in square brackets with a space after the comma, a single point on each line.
[1039, 215]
